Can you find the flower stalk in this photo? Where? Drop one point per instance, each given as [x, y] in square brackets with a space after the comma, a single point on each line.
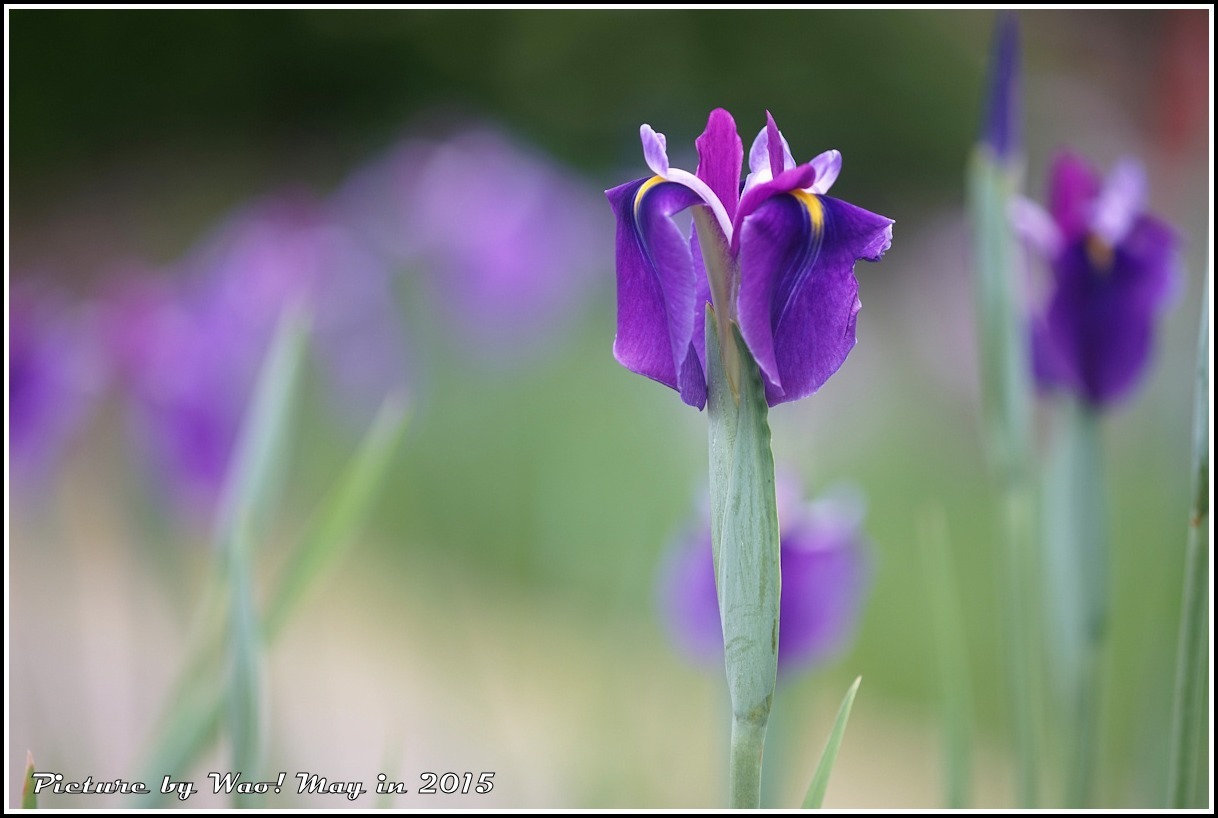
[1007, 393]
[744, 534]
[993, 181]
[1076, 541]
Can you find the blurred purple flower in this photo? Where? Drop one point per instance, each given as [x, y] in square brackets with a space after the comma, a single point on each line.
[53, 378]
[188, 372]
[1113, 269]
[293, 250]
[506, 241]
[189, 345]
[824, 578]
[789, 248]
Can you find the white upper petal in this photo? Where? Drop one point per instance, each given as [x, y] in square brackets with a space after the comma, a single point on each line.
[759, 160]
[1122, 198]
[828, 165]
[655, 150]
[1033, 224]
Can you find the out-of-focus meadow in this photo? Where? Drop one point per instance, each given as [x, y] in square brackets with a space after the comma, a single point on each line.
[429, 184]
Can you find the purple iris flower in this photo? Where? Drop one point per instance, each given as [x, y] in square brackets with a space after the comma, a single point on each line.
[187, 369]
[1113, 269]
[189, 345]
[782, 268]
[825, 573]
[506, 241]
[53, 377]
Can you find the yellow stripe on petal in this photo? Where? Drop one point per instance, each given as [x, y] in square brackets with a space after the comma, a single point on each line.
[1100, 253]
[643, 188]
[816, 211]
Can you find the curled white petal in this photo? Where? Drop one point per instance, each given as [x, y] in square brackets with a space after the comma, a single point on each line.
[1120, 201]
[1035, 227]
[828, 165]
[655, 150]
[684, 177]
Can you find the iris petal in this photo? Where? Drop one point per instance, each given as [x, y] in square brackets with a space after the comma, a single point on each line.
[798, 296]
[655, 150]
[1119, 203]
[720, 154]
[828, 165]
[759, 160]
[656, 288]
[1096, 335]
[774, 146]
[1072, 195]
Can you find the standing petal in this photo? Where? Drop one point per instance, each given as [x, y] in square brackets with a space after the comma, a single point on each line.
[656, 290]
[720, 154]
[798, 295]
[1072, 195]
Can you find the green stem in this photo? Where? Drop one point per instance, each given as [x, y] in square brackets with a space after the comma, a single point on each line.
[1087, 710]
[744, 535]
[1188, 709]
[748, 746]
[1017, 639]
[1006, 393]
[1090, 539]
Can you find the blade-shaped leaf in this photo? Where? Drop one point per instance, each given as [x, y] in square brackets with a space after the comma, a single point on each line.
[252, 478]
[194, 722]
[29, 800]
[820, 779]
[342, 513]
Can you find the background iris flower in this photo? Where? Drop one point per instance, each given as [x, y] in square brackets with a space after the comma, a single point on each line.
[825, 571]
[1114, 267]
[777, 257]
[53, 377]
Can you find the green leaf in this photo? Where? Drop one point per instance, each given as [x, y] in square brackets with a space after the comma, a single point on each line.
[341, 515]
[251, 484]
[257, 461]
[744, 533]
[193, 724]
[955, 691]
[28, 799]
[820, 779]
[1186, 753]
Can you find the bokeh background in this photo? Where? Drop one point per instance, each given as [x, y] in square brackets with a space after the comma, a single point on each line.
[500, 609]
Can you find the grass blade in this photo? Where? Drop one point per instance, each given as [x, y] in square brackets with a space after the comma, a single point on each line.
[252, 478]
[1187, 749]
[820, 779]
[342, 513]
[195, 722]
[252, 482]
[28, 799]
